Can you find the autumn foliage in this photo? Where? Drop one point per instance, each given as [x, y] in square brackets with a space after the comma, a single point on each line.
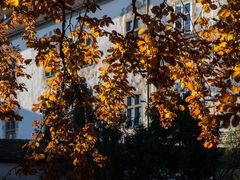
[206, 63]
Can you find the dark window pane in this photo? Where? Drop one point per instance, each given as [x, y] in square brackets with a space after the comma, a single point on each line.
[187, 8]
[10, 131]
[130, 113]
[187, 23]
[178, 9]
[137, 99]
[10, 135]
[130, 101]
[130, 117]
[88, 41]
[129, 26]
[137, 119]
[179, 20]
[13, 124]
[138, 23]
[187, 26]
[8, 126]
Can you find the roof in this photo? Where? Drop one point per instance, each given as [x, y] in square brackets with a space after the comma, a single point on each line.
[40, 21]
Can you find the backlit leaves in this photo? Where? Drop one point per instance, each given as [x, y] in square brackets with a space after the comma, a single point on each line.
[164, 57]
[12, 2]
[69, 124]
[206, 66]
[11, 68]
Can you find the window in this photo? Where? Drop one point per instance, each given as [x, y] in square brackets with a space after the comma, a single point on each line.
[87, 36]
[5, 17]
[10, 130]
[129, 26]
[186, 23]
[50, 33]
[88, 42]
[134, 111]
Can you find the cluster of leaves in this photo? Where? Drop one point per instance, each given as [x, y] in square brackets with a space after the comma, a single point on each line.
[221, 70]
[207, 65]
[11, 68]
[67, 104]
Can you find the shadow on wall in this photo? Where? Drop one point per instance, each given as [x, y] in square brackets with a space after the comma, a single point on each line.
[25, 128]
[21, 129]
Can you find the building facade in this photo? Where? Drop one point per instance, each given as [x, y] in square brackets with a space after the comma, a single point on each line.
[121, 14]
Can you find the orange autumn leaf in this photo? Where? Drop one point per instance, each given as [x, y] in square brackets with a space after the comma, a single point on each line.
[181, 107]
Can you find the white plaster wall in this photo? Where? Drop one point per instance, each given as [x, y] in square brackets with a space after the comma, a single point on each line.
[114, 9]
[26, 99]
[36, 84]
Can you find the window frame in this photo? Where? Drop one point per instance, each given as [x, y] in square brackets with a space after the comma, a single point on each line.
[132, 122]
[130, 21]
[10, 129]
[182, 10]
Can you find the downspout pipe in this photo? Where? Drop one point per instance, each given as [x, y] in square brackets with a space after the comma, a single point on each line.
[147, 6]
